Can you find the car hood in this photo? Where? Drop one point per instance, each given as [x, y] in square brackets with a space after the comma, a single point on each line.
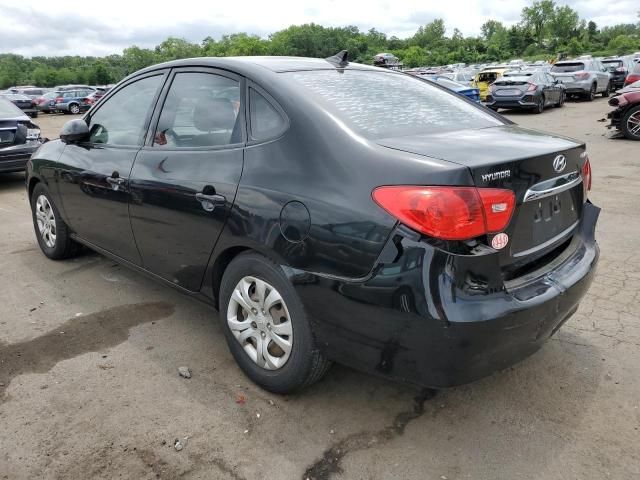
[481, 147]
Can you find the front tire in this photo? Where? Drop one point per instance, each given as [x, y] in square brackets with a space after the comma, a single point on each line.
[592, 93]
[560, 100]
[51, 232]
[607, 90]
[266, 327]
[630, 123]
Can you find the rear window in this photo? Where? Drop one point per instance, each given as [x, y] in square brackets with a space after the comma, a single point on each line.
[612, 64]
[567, 67]
[385, 104]
[488, 77]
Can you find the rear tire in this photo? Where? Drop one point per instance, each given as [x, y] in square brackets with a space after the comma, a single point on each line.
[74, 109]
[52, 233]
[539, 108]
[254, 341]
[630, 123]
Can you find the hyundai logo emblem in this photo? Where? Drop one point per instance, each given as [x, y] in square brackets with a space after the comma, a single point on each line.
[559, 163]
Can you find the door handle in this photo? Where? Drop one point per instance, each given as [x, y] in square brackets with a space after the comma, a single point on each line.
[210, 199]
[215, 198]
[115, 180]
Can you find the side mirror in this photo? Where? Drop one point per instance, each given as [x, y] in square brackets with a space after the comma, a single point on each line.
[74, 131]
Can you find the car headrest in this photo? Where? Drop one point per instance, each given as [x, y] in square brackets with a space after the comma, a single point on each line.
[214, 114]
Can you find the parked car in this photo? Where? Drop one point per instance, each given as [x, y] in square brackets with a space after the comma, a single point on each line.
[486, 77]
[618, 68]
[70, 101]
[585, 77]
[463, 78]
[44, 102]
[19, 137]
[64, 88]
[626, 116]
[23, 102]
[285, 213]
[530, 90]
[633, 76]
[386, 60]
[632, 87]
[469, 92]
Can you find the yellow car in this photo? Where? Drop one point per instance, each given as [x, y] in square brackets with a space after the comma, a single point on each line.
[486, 77]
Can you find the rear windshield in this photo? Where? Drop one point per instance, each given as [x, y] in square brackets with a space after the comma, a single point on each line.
[385, 104]
[567, 67]
[612, 64]
[487, 77]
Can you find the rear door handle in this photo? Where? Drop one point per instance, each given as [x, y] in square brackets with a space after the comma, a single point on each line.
[210, 199]
[115, 180]
[215, 198]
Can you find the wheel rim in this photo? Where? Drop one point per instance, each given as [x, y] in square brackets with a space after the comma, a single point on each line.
[46, 221]
[75, 109]
[259, 320]
[633, 124]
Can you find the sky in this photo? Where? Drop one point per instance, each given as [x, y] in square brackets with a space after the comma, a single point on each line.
[72, 27]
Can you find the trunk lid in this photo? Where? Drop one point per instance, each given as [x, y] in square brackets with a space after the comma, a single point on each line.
[522, 160]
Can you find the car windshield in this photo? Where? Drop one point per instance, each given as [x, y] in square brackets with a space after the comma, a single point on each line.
[385, 104]
[487, 77]
[9, 110]
[567, 67]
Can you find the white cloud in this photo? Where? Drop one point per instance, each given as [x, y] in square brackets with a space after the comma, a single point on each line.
[74, 27]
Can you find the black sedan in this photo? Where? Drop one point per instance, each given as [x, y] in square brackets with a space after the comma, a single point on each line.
[23, 102]
[19, 138]
[330, 211]
[529, 90]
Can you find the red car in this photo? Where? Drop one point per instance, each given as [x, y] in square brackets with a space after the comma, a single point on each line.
[626, 116]
[633, 76]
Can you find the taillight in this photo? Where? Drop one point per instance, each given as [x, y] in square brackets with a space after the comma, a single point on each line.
[581, 75]
[532, 87]
[58, 99]
[621, 70]
[631, 78]
[448, 213]
[586, 176]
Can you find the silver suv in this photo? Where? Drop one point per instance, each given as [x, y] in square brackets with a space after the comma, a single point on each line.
[586, 77]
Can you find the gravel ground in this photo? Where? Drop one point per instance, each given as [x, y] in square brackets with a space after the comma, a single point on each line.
[89, 383]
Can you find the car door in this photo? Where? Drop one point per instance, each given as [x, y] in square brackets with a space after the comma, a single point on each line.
[553, 88]
[184, 180]
[94, 175]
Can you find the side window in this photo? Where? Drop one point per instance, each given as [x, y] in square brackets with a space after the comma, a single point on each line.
[201, 110]
[266, 121]
[121, 120]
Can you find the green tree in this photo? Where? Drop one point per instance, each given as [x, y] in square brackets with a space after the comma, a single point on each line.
[414, 56]
[538, 17]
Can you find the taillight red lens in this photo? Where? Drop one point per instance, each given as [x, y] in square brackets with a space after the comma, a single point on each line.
[532, 87]
[586, 177]
[632, 78]
[58, 99]
[498, 206]
[448, 213]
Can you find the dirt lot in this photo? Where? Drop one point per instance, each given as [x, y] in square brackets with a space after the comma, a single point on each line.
[90, 388]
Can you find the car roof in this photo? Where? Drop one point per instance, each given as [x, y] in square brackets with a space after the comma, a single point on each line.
[257, 64]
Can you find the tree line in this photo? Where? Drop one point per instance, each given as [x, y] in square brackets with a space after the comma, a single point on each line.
[545, 30]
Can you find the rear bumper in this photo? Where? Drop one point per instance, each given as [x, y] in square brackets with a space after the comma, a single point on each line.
[523, 101]
[432, 318]
[14, 158]
[581, 87]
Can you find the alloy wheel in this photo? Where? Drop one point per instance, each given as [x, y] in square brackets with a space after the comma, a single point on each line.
[46, 221]
[75, 109]
[633, 124]
[259, 320]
